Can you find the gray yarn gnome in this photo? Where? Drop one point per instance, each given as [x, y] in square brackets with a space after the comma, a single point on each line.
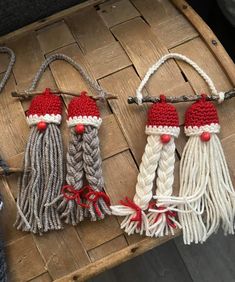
[42, 178]
[83, 196]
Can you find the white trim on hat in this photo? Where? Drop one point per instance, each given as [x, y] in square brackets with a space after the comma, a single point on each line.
[86, 120]
[35, 119]
[171, 130]
[198, 130]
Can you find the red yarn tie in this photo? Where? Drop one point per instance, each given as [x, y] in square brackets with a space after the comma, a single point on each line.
[70, 193]
[168, 214]
[130, 204]
[94, 196]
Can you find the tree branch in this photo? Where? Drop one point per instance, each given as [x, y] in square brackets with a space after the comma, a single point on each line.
[148, 99]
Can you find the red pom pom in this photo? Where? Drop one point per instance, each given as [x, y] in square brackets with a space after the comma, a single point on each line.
[42, 125]
[205, 136]
[165, 138]
[79, 128]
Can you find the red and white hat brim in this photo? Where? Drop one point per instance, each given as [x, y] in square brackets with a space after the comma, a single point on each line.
[159, 130]
[35, 119]
[198, 130]
[85, 120]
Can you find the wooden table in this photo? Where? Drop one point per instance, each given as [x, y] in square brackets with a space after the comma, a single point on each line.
[116, 42]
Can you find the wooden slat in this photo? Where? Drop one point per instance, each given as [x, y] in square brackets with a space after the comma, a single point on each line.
[174, 31]
[108, 59]
[212, 41]
[114, 259]
[54, 36]
[144, 49]
[45, 277]
[8, 212]
[97, 233]
[24, 260]
[109, 144]
[62, 251]
[155, 12]
[13, 126]
[209, 64]
[115, 12]
[89, 30]
[108, 248]
[131, 118]
[29, 58]
[4, 59]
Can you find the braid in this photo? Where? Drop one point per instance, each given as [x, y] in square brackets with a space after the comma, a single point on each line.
[92, 167]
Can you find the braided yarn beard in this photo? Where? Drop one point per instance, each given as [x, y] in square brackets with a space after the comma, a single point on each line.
[41, 181]
[93, 172]
[70, 210]
[161, 216]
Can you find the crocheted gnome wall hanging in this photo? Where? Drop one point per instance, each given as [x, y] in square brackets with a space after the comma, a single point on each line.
[83, 195]
[206, 198]
[157, 161]
[42, 178]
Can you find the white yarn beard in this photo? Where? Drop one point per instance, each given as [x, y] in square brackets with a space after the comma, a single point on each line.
[206, 196]
[164, 181]
[144, 187]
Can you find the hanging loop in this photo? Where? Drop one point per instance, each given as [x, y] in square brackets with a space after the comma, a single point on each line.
[180, 57]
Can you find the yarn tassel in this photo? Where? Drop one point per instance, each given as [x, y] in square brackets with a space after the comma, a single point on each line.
[97, 201]
[42, 178]
[69, 202]
[161, 217]
[206, 198]
[136, 220]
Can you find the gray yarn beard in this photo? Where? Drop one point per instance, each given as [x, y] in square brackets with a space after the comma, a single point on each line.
[41, 181]
[83, 160]
[70, 210]
[93, 169]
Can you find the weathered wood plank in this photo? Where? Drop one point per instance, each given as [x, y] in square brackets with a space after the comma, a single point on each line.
[106, 60]
[45, 277]
[155, 12]
[97, 233]
[54, 36]
[29, 58]
[89, 29]
[107, 248]
[114, 259]
[115, 12]
[62, 251]
[144, 49]
[175, 31]
[24, 260]
[13, 126]
[209, 64]
[8, 214]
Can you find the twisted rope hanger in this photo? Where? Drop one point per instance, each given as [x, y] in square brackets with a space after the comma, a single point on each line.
[4, 168]
[216, 96]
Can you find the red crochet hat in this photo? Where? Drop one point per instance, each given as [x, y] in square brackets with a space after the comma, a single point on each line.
[162, 119]
[45, 107]
[201, 117]
[83, 110]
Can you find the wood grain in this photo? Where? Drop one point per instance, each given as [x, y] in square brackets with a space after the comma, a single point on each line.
[24, 260]
[49, 42]
[174, 31]
[45, 277]
[144, 49]
[115, 12]
[89, 30]
[108, 248]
